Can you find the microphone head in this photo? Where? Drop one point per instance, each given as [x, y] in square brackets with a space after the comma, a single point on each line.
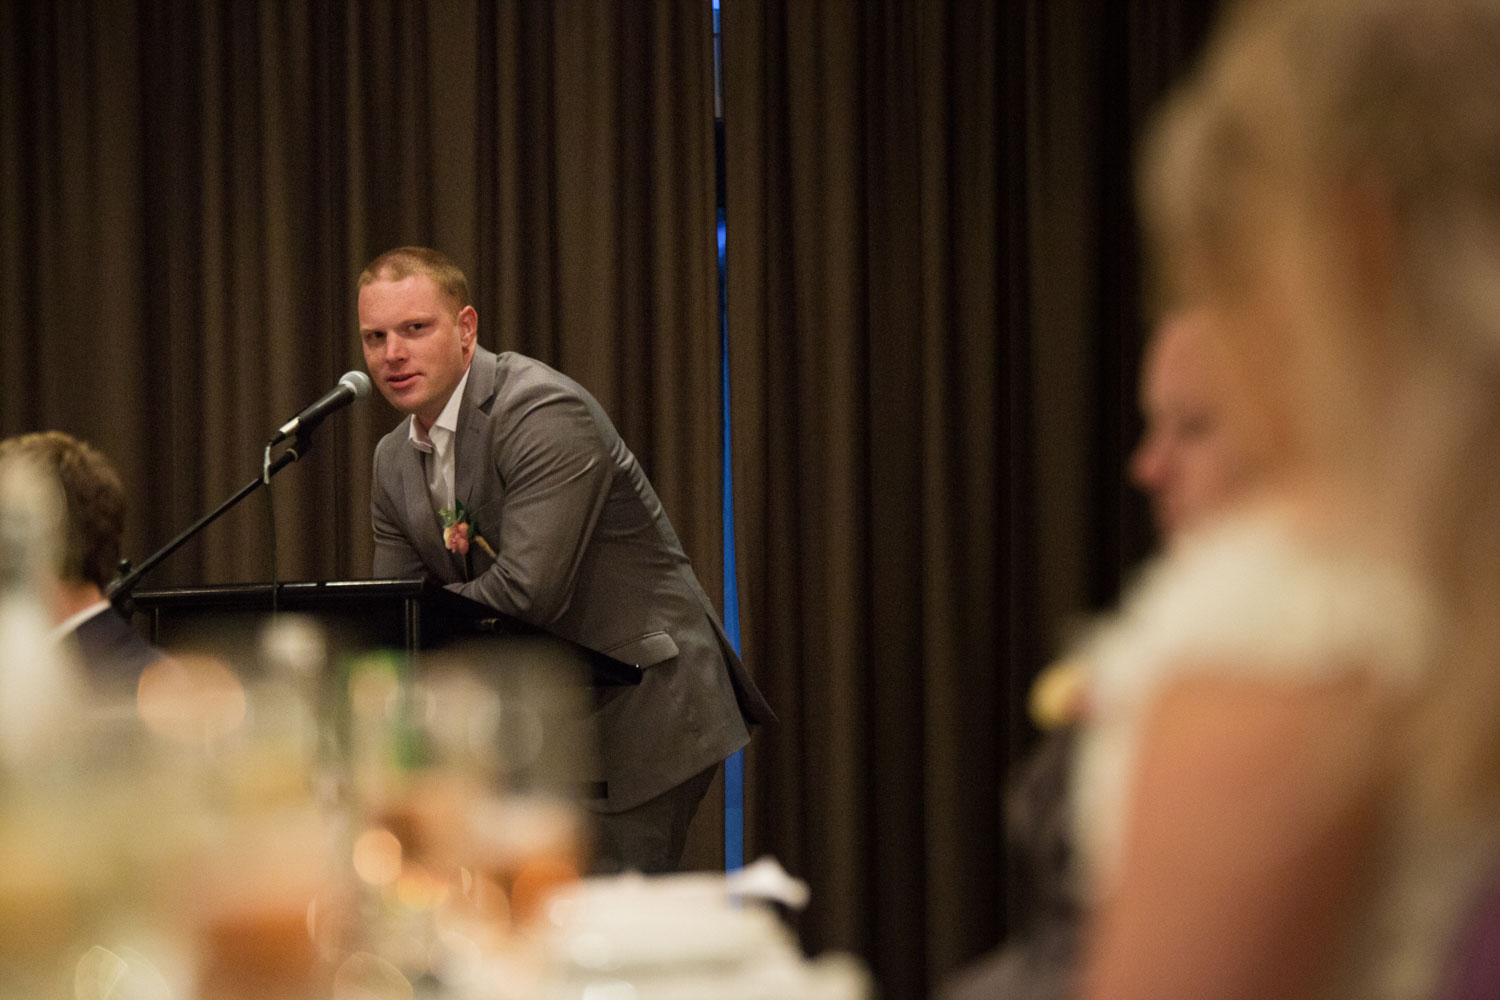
[358, 381]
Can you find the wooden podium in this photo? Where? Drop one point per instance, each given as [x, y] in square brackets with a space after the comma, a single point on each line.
[411, 615]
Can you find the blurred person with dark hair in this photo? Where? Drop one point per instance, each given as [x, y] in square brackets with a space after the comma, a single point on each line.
[1289, 782]
[108, 648]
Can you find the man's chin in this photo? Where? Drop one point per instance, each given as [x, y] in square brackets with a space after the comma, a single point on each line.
[404, 399]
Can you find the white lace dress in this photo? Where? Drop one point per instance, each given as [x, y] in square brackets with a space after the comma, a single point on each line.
[1248, 597]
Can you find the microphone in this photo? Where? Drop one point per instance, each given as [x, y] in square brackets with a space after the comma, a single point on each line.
[352, 386]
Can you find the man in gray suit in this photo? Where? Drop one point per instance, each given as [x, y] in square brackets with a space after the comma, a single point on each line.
[560, 529]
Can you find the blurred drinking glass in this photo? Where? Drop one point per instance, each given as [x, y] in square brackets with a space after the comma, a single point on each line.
[469, 773]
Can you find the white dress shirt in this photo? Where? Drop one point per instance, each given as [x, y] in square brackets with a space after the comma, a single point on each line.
[436, 443]
[68, 625]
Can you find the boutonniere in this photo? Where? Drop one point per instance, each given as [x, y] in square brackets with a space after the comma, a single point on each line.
[1060, 695]
[460, 531]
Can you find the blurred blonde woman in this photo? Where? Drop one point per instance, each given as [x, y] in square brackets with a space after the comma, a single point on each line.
[1291, 783]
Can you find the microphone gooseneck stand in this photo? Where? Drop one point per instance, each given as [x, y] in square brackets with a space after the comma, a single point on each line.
[120, 589]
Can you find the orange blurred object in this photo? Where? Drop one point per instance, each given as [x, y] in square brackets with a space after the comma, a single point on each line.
[536, 880]
[191, 699]
[258, 952]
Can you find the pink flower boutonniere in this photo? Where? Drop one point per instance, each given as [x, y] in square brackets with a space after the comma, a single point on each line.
[460, 531]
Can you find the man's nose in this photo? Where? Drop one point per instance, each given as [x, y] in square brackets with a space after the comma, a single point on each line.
[395, 350]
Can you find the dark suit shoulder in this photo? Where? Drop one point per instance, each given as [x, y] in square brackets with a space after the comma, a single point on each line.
[111, 651]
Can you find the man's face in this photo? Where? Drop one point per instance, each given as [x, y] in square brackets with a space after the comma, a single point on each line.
[1188, 462]
[417, 344]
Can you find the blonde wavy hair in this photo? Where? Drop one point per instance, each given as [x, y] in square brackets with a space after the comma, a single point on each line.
[1333, 170]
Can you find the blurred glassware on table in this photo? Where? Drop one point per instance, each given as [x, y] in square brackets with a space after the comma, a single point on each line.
[40, 685]
[47, 885]
[466, 782]
[270, 896]
[167, 846]
[256, 823]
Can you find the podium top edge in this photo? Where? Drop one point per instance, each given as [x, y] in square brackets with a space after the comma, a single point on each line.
[309, 589]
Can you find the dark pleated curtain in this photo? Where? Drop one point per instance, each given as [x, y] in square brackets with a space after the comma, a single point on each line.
[934, 328]
[190, 189]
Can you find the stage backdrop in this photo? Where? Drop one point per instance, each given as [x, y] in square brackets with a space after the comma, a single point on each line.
[933, 317]
[935, 323]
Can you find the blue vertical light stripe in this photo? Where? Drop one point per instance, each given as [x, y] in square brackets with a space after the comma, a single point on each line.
[734, 767]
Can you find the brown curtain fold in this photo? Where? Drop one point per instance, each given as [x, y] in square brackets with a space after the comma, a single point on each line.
[934, 329]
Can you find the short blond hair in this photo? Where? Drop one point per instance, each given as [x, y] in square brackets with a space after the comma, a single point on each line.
[403, 262]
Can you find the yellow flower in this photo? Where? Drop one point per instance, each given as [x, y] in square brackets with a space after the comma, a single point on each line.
[1059, 695]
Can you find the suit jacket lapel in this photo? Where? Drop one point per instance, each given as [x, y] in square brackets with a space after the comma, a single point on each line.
[471, 441]
[428, 525]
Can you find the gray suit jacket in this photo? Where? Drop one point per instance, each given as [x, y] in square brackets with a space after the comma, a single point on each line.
[586, 552]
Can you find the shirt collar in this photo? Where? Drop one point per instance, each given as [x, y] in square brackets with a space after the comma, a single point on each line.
[73, 621]
[447, 420]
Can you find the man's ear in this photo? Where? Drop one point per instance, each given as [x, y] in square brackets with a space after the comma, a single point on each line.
[468, 327]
